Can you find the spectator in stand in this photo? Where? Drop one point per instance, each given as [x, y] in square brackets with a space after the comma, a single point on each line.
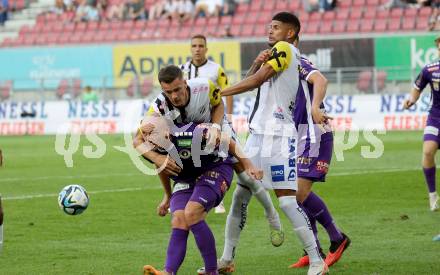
[70, 6]
[208, 8]
[229, 7]
[227, 32]
[135, 10]
[169, 9]
[434, 20]
[59, 7]
[184, 10]
[4, 6]
[86, 12]
[90, 95]
[102, 6]
[318, 5]
[116, 11]
[157, 10]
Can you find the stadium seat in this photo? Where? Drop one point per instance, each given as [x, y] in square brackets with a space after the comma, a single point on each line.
[281, 6]
[373, 3]
[326, 27]
[269, 5]
[225, 20]
[123, 35]
[370, 13]
[315, 16]
[260, 30]
[52, 38]
[358, 3]
[213, 21]
[264, 18]
[135, 36]
[356, 13]
[6, 88]
[294, 5]
[88, 37]
[25, 29]
[410, 13]
[75, 38]
[256, 5]
[104, 26]
[408, 23]
[422, 23]
[58, 28]
[353, 26]
[251, 18]
[364, 81]
[342, 14]
[184, 32]
[242, 8]
[110, 36]
[342, 3]
[80, 27]
[394, 24]
[212, 30]
[383, 14]
[69, 28]
[247, 30]
[167, 23]
[397, 13]
[29, 39]
[425, 11]
[8, 42]
[329, 16]
[339, 26]
[312, 27]
[238, 20]
[380, 25]
[62, 88]
[366, 25]
[64, 38]
[140, 25]
[198, 30]
[99, 36]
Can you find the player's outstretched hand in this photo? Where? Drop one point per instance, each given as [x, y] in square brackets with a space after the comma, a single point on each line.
[167, 164]
[408, 104]
[164, 205]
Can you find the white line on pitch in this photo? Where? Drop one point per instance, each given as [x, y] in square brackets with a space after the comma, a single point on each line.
[25, 197]
[71, 177]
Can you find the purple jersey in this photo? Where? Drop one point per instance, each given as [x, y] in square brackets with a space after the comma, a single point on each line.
[302, 112]
[189, 139]
[430, 74]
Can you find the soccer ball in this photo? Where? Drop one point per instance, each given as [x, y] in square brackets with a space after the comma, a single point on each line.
[73, 199]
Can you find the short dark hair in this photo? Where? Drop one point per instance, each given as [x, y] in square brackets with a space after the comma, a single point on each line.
[169, 73]
[199, 36]
[288, 18]
[437, 40]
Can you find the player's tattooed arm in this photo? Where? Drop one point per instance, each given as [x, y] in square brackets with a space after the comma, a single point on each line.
[262, 57]
[251, 82]
[413, 97]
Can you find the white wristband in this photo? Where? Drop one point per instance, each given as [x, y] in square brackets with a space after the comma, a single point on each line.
[216, 126]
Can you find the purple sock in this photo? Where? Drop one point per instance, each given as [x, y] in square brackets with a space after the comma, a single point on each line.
[206, 243]
[430, 178]
[317, 208]
[176, 250]
[312, 224]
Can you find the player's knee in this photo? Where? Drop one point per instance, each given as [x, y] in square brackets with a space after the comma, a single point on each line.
[428, 154]
[178, 221]
[192, 215]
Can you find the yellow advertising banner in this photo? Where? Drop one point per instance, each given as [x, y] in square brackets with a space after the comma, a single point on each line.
[147, 59]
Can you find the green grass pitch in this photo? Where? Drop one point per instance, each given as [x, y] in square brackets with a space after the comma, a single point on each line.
[380, 203]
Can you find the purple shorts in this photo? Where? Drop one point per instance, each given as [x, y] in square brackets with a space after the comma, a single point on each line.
[314, 162]
[432, 129]
[208, 189]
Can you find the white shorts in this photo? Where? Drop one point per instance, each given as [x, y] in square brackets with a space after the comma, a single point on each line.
[276, 156]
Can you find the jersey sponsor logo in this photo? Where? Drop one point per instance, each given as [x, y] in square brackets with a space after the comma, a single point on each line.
[322, 166]
[304, 160]
[278, 113]
[180, 186]
[200, 89]
[436, 75]
[292, 175]
[277, 172]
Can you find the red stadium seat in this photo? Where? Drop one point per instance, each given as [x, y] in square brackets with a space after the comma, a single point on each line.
[115, 25]
[88, 37]
[383, 14]
[58, 28]
[367, 25]
[235, 30]
[364, 81]
[69, 28]
[184, 33]
[269, 5]
[261, 30]
[200, 21]
[226, 20]
[151, 24]
[41, 40]
[326, 27]
[397, 13]
[172, 33]
[394, 24]
[80, 27]
[213, 21]
[422, 23]
[238, 20]
[242, 8]
[247, 30]
[167, 23]
[212, 30]
[339, 26]
[29, 39]
[264, 18]
[25, 29]
[75, 38]
[380, 25]
[140, 25]
[52, 38]
[370, 13]
[410, 12]
[373, 3]
[282, 5]
[294, 5]
[92, 26]
[312, 27]
[62, 88]
[425, 11]
[8, 42]
[256, 5]
[343, 3]
[64, 38]
[353, 26]
[251, 18]
[99, 36]
[342, 14]
[6, 88]
[315, 16]
[408, 23]
[110, 36]
[356, 13]
[304, 17]
[329, 16]
[358, 3]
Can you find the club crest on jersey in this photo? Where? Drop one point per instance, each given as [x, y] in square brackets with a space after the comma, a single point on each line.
[322, 166]
[184, 154]
[277, 172]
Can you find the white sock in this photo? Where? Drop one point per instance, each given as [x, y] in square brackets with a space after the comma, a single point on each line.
[264, 198]
[301, 225]
[235, 221]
